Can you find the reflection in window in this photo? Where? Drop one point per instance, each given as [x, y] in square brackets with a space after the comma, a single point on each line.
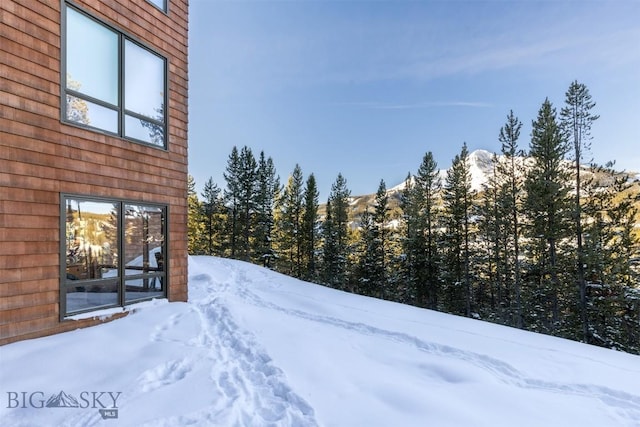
[143, 130]
[107, 242]
[160, 4]
[92, 58]
[92, 296]
[144, 237]
[110, 80]
[92, 114]
[91, 239]
[144, 81]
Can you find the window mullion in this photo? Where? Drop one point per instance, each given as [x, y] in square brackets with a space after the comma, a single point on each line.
[121, 258]
[121, 77]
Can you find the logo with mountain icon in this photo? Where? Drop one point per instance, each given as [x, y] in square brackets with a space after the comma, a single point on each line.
[106, 402]
[62, 400]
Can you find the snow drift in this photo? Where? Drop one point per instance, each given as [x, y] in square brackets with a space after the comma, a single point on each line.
[256, 348]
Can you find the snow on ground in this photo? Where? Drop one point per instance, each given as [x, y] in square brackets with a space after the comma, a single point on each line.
[256, 348]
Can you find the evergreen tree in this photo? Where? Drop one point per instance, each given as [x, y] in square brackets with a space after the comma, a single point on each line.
[364, 276]
[458, 203]
[336, 242]
[329, 247]
[427, 188]
[510, 180]
[491, 251]
[310, 227]
[290, 224]
[194, 219]
[268, 187]
[576, 121]
[370, 276]
[610, 248]
[412, 243]
[232, 200]
[380, 240]
[247, 198]
[546, 204]
[212, 218]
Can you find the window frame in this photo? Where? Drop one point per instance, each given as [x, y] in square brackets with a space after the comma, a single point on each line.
[122, 277]
[120, 109]
[164, 8]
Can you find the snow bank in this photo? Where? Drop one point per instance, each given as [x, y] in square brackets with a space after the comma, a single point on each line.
[256, 348]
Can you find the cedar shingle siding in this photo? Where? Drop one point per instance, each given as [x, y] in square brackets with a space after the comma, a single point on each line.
[42, 156]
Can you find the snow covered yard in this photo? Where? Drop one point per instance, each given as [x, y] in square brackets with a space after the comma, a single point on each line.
[256, 348]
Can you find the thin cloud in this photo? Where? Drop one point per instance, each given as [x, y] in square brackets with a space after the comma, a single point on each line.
[413, 106]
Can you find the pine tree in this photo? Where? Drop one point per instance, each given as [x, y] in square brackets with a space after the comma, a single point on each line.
[232, 200]
[491, 254]
[576, 121]
[290, 224]
[411, 243]
[547, 207]
[510, 179]
[380, 240]
[369, 277]
[268, 187]
[425, 194]
[310, 227]
[365, 274]
[211, 209]
[610, 248]
[336, 244]
[194, 219]
[329, 247]
[247, 185]
[458, 203]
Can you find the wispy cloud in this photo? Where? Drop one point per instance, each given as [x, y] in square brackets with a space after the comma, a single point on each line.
[290, 44]
[418, 105]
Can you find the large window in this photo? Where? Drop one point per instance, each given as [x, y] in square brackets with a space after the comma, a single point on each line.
[112, 83]
[114, 253]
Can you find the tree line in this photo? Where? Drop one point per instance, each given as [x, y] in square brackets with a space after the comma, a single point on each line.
[550, 244]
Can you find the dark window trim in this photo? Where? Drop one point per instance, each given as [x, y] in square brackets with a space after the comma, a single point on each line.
[120, 109]
[122, 278]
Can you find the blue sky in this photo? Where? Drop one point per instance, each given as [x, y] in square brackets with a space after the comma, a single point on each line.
[365, 88]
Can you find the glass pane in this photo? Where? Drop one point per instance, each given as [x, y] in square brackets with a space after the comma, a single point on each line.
[92, 58]
[88, 295]
[144, 82]
[144, 239]
[147, 287]
[91, 114]
[91, 240]
[161, 4]
[143, 130]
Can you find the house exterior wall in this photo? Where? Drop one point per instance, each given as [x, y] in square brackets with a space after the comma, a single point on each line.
[42, 156]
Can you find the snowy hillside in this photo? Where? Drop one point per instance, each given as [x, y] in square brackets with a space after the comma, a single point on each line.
[256, 348]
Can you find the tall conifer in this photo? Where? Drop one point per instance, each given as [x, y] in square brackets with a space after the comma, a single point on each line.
[576, 121]
[547, 207]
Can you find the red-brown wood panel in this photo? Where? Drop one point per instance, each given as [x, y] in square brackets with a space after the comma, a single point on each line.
[42, 157]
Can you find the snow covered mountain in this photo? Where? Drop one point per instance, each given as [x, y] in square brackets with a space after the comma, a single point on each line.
[257, 348]
[480, 167]
[481, 170]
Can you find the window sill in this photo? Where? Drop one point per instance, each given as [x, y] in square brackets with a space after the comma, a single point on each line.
[106, 313]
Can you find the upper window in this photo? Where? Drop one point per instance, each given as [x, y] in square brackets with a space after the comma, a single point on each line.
[160, 4]
[113, 83]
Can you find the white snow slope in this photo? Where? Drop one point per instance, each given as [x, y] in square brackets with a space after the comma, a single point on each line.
[256, 348]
